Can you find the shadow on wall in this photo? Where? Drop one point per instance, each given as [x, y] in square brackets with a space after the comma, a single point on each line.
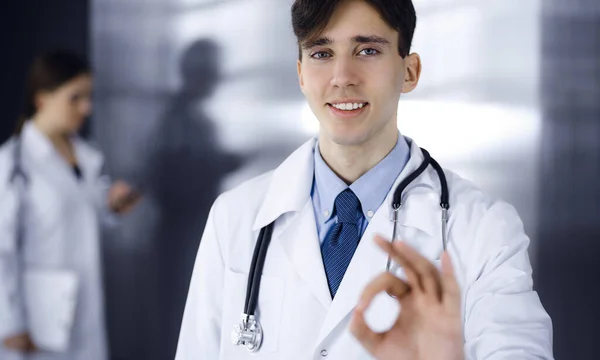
[186, 167]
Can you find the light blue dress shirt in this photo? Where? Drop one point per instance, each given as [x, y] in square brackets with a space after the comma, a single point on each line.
[371, 188]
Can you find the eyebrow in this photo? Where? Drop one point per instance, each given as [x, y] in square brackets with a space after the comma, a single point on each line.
[322, 41]
[361, 39]
[370, 39]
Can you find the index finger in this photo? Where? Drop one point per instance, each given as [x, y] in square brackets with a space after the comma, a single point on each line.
[428, 276]
[358, 326]
[385, 281]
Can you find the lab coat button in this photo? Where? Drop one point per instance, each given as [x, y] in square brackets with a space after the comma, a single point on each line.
[324, 353]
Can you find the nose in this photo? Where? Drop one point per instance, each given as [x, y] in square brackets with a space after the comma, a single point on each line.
[344, 73]
[85, 108]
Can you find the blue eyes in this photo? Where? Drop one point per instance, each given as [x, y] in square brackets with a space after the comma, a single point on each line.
[320, 55]
[369, 52]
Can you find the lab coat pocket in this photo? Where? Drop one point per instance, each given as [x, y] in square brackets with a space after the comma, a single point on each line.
[428, 243]
[268, 311]
[50, 300]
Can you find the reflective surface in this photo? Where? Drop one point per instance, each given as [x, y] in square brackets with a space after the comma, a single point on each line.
[508, 99]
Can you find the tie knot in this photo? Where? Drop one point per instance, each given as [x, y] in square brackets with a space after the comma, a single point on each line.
[347, 207]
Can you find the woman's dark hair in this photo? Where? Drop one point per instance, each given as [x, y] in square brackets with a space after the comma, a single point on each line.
[48, 72]
[310, 17]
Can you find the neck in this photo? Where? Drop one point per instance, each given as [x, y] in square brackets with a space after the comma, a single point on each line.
[59, 139]
[350, 162]
[49, 131]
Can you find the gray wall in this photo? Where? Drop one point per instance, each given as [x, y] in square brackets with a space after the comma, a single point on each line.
[508, 99]
[27, 28]
[569, 226]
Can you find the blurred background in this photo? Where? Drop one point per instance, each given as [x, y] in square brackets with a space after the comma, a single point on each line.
[192, 97]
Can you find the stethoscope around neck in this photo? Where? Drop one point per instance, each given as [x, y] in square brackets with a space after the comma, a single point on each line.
[249, 332]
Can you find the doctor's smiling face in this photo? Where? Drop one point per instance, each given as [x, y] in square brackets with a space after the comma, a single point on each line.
[354, 64]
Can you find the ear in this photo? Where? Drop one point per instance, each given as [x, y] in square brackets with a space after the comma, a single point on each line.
[41, 98]
[412, 73]
[300, 78]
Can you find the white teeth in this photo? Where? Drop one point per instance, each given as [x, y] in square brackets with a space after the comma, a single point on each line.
[349, 106]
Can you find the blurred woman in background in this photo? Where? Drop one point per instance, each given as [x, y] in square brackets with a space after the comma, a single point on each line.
[53, 199]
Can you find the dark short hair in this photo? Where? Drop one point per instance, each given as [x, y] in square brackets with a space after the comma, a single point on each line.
[310, 17]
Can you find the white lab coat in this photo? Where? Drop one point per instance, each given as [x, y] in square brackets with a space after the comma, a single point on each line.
[503, 316]
[62, 229]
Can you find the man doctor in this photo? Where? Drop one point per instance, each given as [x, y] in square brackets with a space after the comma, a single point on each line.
[324, 289]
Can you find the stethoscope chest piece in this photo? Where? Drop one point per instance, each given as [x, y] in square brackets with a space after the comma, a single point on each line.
[248, 333]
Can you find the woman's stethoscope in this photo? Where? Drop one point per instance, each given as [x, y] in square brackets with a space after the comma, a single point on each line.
[249, 332]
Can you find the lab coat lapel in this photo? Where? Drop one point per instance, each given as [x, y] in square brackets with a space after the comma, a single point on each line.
[416, 214]
[40, 149]
[288, 201]
[90, 162]
[300, 242]
[420, 224]
[368, 262]
[89, 159]
[419, 220]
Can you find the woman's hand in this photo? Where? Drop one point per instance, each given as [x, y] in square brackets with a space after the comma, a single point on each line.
[20, 343]
[122, 198]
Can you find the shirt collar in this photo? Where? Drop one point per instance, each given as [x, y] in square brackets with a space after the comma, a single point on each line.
[371, 188]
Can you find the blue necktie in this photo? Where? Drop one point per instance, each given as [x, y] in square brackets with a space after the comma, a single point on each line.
[341, 241]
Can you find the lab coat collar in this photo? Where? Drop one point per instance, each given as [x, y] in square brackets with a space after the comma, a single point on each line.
[290, 186]
[38, 147]
[420, 211]
[428, 184]
[291, 183]
[288, 199]
[37, 144]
